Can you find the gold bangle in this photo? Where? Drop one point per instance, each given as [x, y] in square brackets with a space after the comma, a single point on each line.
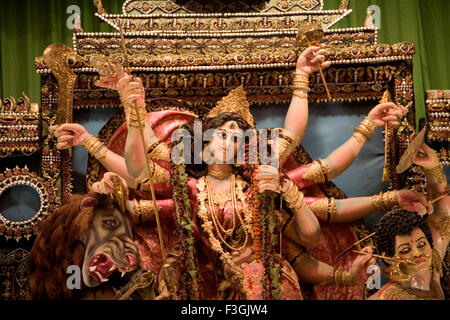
[384, 200]
[135, 115]
[366, 127]
[102, 154]
[342, 278]
[92, 144]
[300, 94]
[294, 198]
[301, 76]
[359, 137]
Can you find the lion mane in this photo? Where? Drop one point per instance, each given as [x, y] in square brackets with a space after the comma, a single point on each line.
[57, 246]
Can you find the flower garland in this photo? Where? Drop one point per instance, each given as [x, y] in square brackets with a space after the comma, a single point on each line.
[185, 228]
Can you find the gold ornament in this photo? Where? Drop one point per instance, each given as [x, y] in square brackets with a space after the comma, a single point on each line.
[438, 173]
[407, 159]
[366, 128]
[236, 102]
[320, 208]
[219, 174]
[385, 200]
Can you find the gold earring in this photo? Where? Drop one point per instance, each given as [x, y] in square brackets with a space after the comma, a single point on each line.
[394, 272]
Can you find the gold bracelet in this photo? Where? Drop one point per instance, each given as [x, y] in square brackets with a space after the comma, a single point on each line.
[92, 144]
[366, 128]
[359, 137]
[294, 198]
[135, 115]
[320, 208]
[342, 278]
[301, 94]
[384, 200]
[102, 154]
[438, 173]
[301, 76]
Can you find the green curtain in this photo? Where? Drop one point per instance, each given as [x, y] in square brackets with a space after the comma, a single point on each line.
[27, 27]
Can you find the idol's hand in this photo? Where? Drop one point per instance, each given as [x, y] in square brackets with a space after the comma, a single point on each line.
[69, 135]
[106, 185]
[111, 80]
[358, 271]
[388, 113]
[308, 60]
[427, 157]
[414, 202]
[132, 92]
[268, 178]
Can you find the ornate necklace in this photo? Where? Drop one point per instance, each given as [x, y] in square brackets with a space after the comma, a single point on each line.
[219, 174]
[208, 223]
[434, 288]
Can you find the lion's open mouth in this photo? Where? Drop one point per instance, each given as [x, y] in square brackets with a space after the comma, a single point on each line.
[102, 266]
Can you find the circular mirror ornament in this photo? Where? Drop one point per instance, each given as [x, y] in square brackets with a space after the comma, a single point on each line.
[47, 198]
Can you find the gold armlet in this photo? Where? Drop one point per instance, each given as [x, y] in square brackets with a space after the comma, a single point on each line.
[160, 152]
[438, 173]
[332, 210]
[320, 208]
[157, 175]
[95, 147]
[319, 172]
[366, 128]
[147, 211]
[385, 200]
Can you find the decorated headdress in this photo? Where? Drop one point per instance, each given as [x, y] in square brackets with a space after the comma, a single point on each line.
[236, 101]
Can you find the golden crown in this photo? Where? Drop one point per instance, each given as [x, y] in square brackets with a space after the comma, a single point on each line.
[236, 101]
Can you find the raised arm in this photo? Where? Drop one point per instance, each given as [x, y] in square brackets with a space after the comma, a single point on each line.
[341, 158]
[297, 115]
[351, 209]
[72, 134]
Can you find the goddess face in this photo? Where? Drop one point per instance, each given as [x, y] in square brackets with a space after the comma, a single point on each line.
[225, 142]
[416, 248]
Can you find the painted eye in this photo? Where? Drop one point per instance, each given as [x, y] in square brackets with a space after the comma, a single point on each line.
[221, 134]
[405, 251]
[112, 223]
[421, 244]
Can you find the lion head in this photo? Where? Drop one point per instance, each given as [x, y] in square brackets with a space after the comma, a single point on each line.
[88, 231]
